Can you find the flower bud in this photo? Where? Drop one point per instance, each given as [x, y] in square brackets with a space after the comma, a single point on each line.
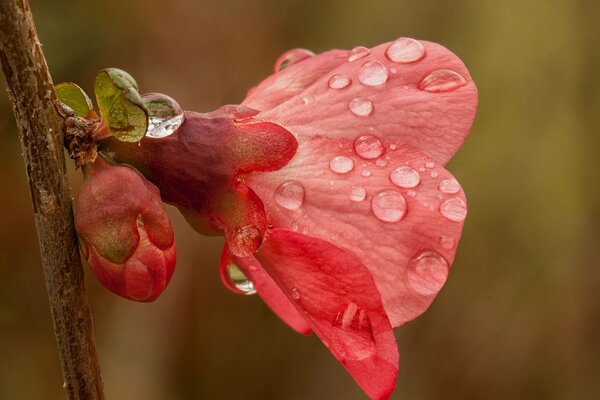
[124, 231]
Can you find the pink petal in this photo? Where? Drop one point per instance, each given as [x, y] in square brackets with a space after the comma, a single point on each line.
[266, 288]
[337, 296]
[398, 231]
[428, 102]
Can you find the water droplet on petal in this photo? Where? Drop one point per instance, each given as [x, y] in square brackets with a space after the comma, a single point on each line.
[448, 242]
[238, 279]
[164, 115]
[366, 173]
[454, 209]
[449, 185]
[411, 193]
[352, 334]
[405, 50]
[290, 195]
[373, 73]
[381, 162]
[361, 106]
[296, 293]
[442, 80]
[389, 206]
[341, 165]
[429, 164]
[368, 147]
[427, 272]
[434, 174]
[291, 57]
[357, 193]
[357, 53]
[393, 147]
[339, 81]
[405, 177]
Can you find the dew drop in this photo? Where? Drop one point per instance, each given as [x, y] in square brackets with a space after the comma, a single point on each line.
[290, 195]
[434, 174]
[341, 165]
[427, 272]
[352, 333]
[393, 147]
[442, 80]
[238, 279]
[368, 147]
[381, 162]
[389, 206]
[366, 173]
[449, 185]
[454, 209]
[361, 106]
[405, 177]
[291, 57]
[448, 242]
[405, 50]
[339, 81]
[357, 53]
[422, 169]
[429, 164]
[373, 73]
[357, 193]
[164, 115]
[296, 293]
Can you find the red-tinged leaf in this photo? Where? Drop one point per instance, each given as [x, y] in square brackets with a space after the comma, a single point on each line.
[337, 296]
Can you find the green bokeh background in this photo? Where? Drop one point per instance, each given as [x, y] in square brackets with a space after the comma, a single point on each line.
[519, 317]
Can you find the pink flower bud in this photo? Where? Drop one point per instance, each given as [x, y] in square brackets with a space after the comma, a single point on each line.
[124, 231]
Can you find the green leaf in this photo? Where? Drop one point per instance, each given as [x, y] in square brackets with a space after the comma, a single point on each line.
[121, 106]
[74, 97]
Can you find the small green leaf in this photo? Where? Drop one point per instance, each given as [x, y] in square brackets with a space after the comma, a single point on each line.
[74, 97]
[121, 106]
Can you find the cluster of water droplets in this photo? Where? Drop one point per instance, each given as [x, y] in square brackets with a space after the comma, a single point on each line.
[165, 115]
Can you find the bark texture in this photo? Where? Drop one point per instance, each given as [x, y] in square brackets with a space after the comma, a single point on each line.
[40, 122]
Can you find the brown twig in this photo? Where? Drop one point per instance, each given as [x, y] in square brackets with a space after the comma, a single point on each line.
[41, 129]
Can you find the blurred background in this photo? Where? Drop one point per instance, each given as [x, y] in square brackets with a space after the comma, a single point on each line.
[519, 317]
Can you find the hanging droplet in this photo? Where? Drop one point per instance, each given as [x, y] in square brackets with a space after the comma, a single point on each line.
[339, 81]
[405, 50]
[427, 272]
[291, 57]
[361, 106]
[449, 185]
[290, 195]
[357, 193]
[448, 242]
[405, 177]
[341, 165]
[368, 147]
[352, 334]
[454, 209]
[357, 53]
[238, 279]
[164, 115]
[442, 80]
[389, 206]
[373, 73]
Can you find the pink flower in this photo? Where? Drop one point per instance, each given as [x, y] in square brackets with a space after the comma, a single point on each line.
[124, 231]
[329, 185]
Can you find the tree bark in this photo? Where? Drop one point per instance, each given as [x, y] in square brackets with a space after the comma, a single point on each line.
[41, 130]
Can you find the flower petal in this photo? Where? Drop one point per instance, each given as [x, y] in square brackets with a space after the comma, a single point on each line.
[400, 213]
[428, 102]
[337, 296]
[266, 288]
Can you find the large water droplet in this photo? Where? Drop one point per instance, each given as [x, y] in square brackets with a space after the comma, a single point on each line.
[373, 73]
[291, 57]
[361, 106]
[290, 195]
[238, 279]
[427, 272]
[389, 206]
[164, 115]
[368, 147]
[442, 80]
[357, 193]
[357, 53]
[339, 81]
[341, 165]
[454, 209]
[449, 185]
[448, 242]
[352, 334]
[405, 50]
[405, 177]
